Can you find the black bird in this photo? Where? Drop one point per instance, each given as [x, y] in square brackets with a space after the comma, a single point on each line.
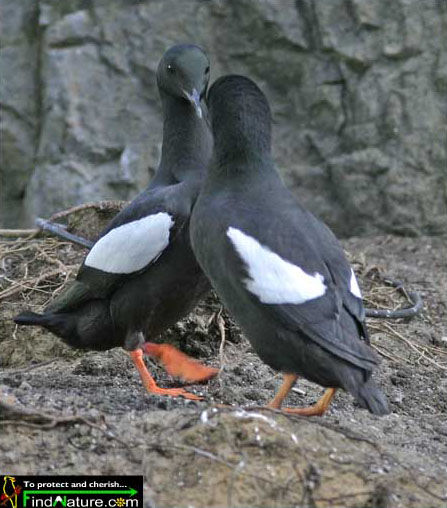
[279, 270]
[141, 276]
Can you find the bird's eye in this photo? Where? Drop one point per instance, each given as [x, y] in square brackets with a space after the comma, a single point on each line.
[207, 70]
[171, 69]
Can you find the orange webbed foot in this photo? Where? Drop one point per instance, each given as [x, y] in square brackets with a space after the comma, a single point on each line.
[150, 384]
[178, 364]
[317, 409]
[174, 392]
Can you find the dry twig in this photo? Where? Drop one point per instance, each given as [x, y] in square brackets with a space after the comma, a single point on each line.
[17, 233]
[8, 372]
[412, 296]
[18, 286]
[221, 325]
[61, 231]
[100, 205]
[13, 415]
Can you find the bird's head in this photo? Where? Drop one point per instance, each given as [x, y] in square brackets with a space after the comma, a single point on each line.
[240, 115]
[184, 72]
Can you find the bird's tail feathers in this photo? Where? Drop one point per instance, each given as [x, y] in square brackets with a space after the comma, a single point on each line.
[370, 397]
[29, 318]
[55, 323]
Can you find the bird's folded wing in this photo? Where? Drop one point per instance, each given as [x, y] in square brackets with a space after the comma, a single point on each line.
[341, 272]
[132, 241]
[328, 333]
[124, 250]
[298, 300]
[132, 246]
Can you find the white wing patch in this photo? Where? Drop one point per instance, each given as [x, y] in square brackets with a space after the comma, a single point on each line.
[354, 285]
[132, 246]
[271, 278]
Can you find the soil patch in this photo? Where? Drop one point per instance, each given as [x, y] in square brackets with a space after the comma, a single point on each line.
[200, 454]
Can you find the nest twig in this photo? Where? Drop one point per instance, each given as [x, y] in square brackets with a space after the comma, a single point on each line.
[424, 352]
[17, 233]
[31, 284]
[99, 205]
[60, 231]
[29, 268]
[412, 296]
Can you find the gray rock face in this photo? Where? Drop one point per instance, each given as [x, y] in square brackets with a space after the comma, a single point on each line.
[358, 90]
[19, 99]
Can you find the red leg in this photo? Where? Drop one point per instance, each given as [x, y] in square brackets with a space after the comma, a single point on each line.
[150, 384]
[177, 364]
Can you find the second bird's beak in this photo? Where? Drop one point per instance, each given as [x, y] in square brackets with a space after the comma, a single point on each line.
[194, 99]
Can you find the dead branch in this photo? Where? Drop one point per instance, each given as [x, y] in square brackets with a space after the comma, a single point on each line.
[33, 366]
[10, 414]
[60, 231]
[13, 415]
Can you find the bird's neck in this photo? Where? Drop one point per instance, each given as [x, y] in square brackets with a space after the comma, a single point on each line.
[243, 169]
[187, 141]
[243, 143]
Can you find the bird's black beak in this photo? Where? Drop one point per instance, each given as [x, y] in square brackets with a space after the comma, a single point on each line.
[194, 99]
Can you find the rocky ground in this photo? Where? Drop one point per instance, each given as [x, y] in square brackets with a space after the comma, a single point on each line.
[67, 412]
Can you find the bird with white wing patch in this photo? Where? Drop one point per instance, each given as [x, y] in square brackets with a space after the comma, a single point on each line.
[141, 276]
[279, 270]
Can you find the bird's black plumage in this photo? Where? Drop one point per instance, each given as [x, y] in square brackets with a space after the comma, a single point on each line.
[104, 308]
[252, 238]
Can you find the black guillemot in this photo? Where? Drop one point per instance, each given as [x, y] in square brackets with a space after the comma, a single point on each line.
[280, 271]
[141, 276]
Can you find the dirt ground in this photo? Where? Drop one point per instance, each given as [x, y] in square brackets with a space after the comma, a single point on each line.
[88, 413]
